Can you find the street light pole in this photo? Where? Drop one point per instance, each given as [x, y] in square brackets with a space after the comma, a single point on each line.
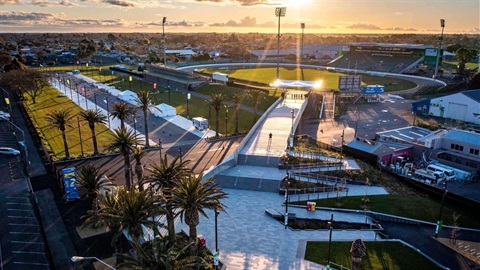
[215, 261]
[160, 148]
[80, 134]
[188, 110]
[330, 225]
[442, 24]
[180, 153]
[438, 228]
[279, 12]
[302, 25]
[78, 258]
[226, 120]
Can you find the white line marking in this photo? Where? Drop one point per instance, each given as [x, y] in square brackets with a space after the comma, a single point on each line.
[27, 252]
[15, 224]
[28, 263]
[26, 242]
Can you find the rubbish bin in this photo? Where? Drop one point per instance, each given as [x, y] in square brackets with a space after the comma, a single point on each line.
[313, 206]
[309, 206]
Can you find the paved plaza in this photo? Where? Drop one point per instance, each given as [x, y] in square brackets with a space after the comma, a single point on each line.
[250, 239]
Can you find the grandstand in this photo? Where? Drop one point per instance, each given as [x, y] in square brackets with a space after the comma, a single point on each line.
[392, 58]
[172, 78]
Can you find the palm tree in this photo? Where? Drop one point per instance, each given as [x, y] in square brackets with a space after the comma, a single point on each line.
[138, 154]
[124, 141]
[192, 197]
[236, 98]
[156, 254]
[163, 177]
[145, 100]
[91, 182]
[216, 102]
[93, 117]
[59, 120]
[256, 96]
[121, 110]
[129, 210]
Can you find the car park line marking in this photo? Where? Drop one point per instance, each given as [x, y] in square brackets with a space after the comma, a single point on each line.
[19, 217]
[18, 203]
[27, 242]
[24, 210]
[29, 263]
[25, 233]
[27, 252]
[16, 224]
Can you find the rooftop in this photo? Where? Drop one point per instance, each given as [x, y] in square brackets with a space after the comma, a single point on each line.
[406, 134]
[469, 137]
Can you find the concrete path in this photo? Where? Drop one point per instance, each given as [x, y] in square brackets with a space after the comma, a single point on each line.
[250, 239]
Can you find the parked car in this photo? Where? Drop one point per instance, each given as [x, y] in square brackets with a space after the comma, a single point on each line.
[9, 151]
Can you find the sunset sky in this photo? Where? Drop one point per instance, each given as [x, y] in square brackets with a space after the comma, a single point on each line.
[320, 16]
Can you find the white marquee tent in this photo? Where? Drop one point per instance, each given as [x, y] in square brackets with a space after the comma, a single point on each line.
[128, 96]
[163, 110]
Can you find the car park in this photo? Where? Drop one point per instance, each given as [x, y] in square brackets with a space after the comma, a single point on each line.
[9, 151]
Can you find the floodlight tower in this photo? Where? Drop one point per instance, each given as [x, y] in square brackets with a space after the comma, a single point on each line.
[279, 12]
[164, 42]
[440, 39]
[302, 25]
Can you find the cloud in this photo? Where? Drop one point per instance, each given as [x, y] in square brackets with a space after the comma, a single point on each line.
[363, 26]
[51, 19]
[242, 2]
[401, 29]
[9, 2]
[32, 17]
[119, 3]
[398, 13]
[51, 3]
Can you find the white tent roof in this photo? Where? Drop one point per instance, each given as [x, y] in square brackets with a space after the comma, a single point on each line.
[127, 95]
[163, 109]
[294, 83]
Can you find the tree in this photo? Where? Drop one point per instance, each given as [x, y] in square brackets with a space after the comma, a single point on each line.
[216, 102]
[121, 110]
[192, 198]
[256, 96]
[236, 98]
[28, 82]
[145, 100]
[86, 49]
[5, 59]
[464, 55]
[93, 117]
[358, 251]
[124, 141]
[138, 154]
[163, 177]
[60, 120]
[128, 210]
[91, 182]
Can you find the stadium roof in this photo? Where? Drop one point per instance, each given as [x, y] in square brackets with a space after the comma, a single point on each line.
[392, 45]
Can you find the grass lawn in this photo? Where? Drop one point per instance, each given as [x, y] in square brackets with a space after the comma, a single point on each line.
[329, 78]
[48, 102]
[414, 207]
[380, 255]
[453, 65]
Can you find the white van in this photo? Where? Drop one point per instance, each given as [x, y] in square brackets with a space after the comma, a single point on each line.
[449, 174]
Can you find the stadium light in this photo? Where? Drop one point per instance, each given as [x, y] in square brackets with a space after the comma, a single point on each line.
[302, 25]
[317, 85]
[440, 39]
[279, 12]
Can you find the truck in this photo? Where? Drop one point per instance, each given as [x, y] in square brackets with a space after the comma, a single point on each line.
[221, 77]
[428, 176]
[460, 175]
[200, 123]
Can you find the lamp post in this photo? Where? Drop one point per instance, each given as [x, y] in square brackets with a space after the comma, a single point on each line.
[135, 127]
[279, 12]
[130, 83]
[78, 258]
[440, 39]
[78, 94]
[95, 100]
[226, 120]
[302, 25]
[188, 110]
[160, 148]
[215, 260]
[330, 227]
[207, 102]
[80, 134]
[292, 134]
[84, 89]
[180, 153]
[438, 228]
[169, 100]
[285, 182]
[164, 43]
[108, 111]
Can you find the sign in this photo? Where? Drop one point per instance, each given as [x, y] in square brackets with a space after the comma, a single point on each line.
[350, 83]
[373, 89]
[215, 258]
[69, 177]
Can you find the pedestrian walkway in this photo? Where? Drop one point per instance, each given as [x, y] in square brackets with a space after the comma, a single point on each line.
[113, 123]
[250, 239]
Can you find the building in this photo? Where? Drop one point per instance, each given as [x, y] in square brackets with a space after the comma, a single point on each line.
[460, 149]
[463, 106]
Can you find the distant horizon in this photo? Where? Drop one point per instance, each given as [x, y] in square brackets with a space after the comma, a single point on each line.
[241, 16]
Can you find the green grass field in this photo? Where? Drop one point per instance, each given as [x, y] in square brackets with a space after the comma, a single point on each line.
[49, 101]
[380, 255]
[329, 79]
[453, 65]
[419, 208]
